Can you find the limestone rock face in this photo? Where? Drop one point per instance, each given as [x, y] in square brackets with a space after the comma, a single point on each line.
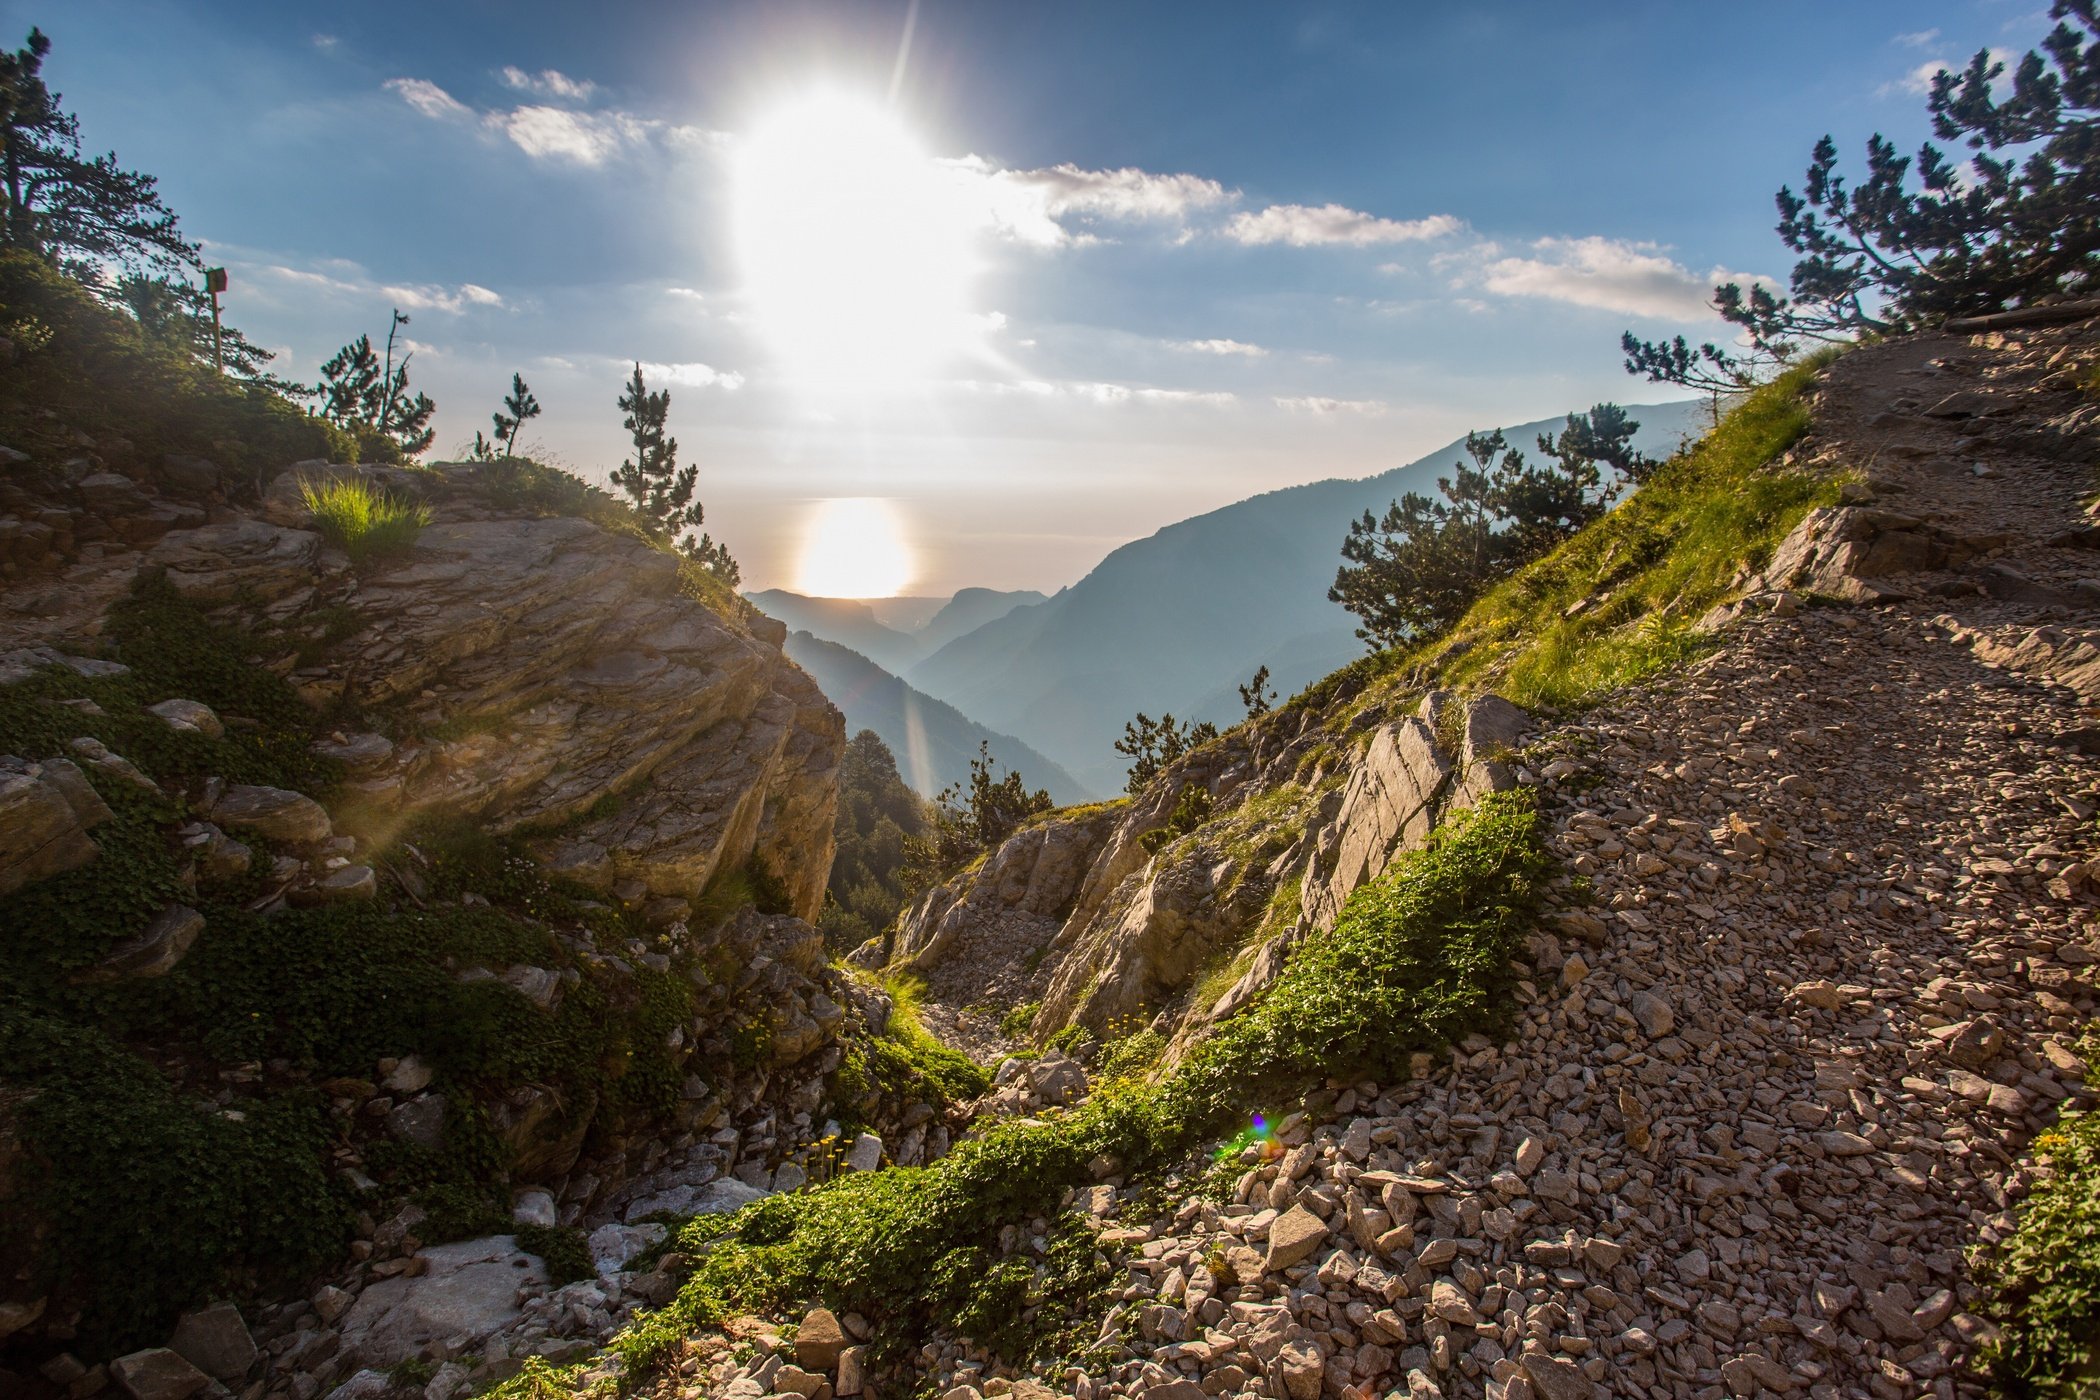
[1113, 912]
[1036, 873]
[1387, 806]
[46, 812]
[1851, 552]
[550, 665]
[536, 670]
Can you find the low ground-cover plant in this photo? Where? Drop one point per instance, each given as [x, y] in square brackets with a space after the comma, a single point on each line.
[363, 520]
[1419, 958]
[906, 1063]
[2047, 1276]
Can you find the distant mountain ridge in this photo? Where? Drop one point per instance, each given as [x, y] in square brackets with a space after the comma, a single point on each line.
[848, 621]
[1175, 621]
[892, 632]
[933, 741]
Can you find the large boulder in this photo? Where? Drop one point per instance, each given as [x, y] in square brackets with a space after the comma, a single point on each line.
[157, 1374]
[46, 812]
[468, 1292]
[275, 814]
[216, 1341]
[152, 952]
[238, 558]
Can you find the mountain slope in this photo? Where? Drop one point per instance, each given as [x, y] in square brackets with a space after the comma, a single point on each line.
[1176, 620]
[969, 610]
[933, 742]
[847, 621]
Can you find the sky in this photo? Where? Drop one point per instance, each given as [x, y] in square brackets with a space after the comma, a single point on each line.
[952, 294]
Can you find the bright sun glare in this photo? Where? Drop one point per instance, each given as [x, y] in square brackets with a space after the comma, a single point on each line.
[855, 244]
[853, 548]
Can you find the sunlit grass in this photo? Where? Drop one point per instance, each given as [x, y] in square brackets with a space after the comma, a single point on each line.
[363, 520]
[1621, 600]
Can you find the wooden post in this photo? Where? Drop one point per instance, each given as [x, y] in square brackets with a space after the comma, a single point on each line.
[215, 283]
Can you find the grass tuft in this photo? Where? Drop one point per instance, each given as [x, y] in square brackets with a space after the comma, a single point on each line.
[366, 522]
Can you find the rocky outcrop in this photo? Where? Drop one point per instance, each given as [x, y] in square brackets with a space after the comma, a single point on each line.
[1853, 552]
[465, 1292]
[544, 665]
[47, 810]
[1110, 915]
[534, 671]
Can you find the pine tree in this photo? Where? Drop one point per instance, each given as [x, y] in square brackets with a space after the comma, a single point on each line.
[1256, 695]
[660, 489]
[178, 314]
[518, 407]
[967, 821]
[1414, 572]
[1921, 239]
[86, 214]
[362, 391]
[1152, 744]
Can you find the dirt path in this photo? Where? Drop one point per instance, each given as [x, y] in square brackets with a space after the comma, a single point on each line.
[1768, 1090]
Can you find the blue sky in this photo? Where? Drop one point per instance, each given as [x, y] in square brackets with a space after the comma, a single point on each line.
[1193, 252]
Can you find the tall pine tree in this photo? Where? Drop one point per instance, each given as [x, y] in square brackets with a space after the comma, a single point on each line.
[662, 491]
[517, 408]
[87, 214]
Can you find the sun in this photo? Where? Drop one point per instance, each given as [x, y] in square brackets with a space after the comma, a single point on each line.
[853, 548]
[854, 243]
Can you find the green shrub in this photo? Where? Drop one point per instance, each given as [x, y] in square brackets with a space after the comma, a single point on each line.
[156, 1198]
[562, 1248]
[175, 652]
[364, 521]
[2046, 1278]
[1419, 957]
[1015, 1023]
[906, 1063]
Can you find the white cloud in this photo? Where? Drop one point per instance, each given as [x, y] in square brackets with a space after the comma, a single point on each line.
[587, 138]
[1128, 193]
[1917, 38]
[1323, 407]
[325, 42]
[691, 375]
[1219, 347]
[1307, 226]
[338, 277]
[1918, 81]
[580, 137]
[1092, 391]
[429, 99]
[1610, 274]
[548, 83]
[1032, 205]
